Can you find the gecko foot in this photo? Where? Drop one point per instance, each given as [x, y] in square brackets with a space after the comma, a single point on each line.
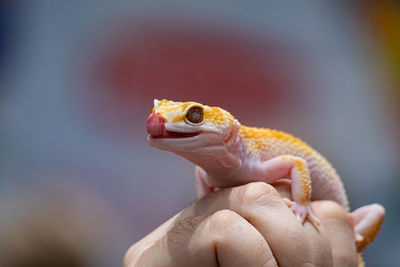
[302, 212]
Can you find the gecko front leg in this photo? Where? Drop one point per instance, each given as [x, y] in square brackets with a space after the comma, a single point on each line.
[295, 168]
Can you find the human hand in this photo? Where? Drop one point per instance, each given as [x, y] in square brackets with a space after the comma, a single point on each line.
[248, 225]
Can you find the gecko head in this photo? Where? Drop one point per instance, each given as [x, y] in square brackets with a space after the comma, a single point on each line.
[187, 126]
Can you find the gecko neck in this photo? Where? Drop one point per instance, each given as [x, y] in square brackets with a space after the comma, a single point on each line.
[220, 161]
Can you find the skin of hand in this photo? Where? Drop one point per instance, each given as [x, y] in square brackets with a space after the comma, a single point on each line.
[248, 225]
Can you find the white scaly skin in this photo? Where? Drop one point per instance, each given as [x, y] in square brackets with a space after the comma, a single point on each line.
[229, 154]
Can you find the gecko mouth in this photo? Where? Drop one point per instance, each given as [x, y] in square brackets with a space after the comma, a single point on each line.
[171, 134]
[155, 126]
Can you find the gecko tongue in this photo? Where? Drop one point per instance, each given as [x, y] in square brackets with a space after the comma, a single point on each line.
[155, 125]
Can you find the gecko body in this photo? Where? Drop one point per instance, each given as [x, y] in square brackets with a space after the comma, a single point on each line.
[229, 154]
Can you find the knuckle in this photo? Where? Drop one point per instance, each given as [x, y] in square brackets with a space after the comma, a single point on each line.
[223, 219]
[330, 209]
[253, 192]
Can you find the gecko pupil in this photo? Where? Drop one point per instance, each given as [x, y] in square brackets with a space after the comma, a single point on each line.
[195, 115]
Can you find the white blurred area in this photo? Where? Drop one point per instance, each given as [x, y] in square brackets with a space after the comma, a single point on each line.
[69, 143]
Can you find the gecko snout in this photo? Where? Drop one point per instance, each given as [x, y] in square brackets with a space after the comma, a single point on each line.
[155, 125]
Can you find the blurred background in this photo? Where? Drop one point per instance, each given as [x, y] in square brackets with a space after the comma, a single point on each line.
[78, 182]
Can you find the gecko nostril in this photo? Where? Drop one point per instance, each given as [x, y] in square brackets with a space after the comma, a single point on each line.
[155, 125]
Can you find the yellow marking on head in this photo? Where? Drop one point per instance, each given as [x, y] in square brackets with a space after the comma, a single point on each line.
[217, 116]
[170, 110]
[176, 112]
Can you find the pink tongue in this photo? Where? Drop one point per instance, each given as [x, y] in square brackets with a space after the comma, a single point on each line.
[155, 125]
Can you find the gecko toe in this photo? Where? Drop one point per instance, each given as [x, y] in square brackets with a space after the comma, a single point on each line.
[303, 212]
[288, 202]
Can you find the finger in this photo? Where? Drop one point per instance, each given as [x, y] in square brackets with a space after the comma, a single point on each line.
[339, 230]
[367, 223]
[221, 239]
[261, 205]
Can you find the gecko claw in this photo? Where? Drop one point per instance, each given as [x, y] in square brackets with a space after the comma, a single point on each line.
[303, 212]
[301, 217]
[288, 202]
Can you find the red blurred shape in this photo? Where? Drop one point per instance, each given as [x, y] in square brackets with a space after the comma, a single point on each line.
[214, 66]
[155, 125]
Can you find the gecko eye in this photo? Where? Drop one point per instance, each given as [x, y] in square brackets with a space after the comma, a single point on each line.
[195, 115]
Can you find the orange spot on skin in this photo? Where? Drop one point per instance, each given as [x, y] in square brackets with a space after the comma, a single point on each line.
[260, 133]
[257, 146]
[300, 166]
[265, 134]
[305, 181]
